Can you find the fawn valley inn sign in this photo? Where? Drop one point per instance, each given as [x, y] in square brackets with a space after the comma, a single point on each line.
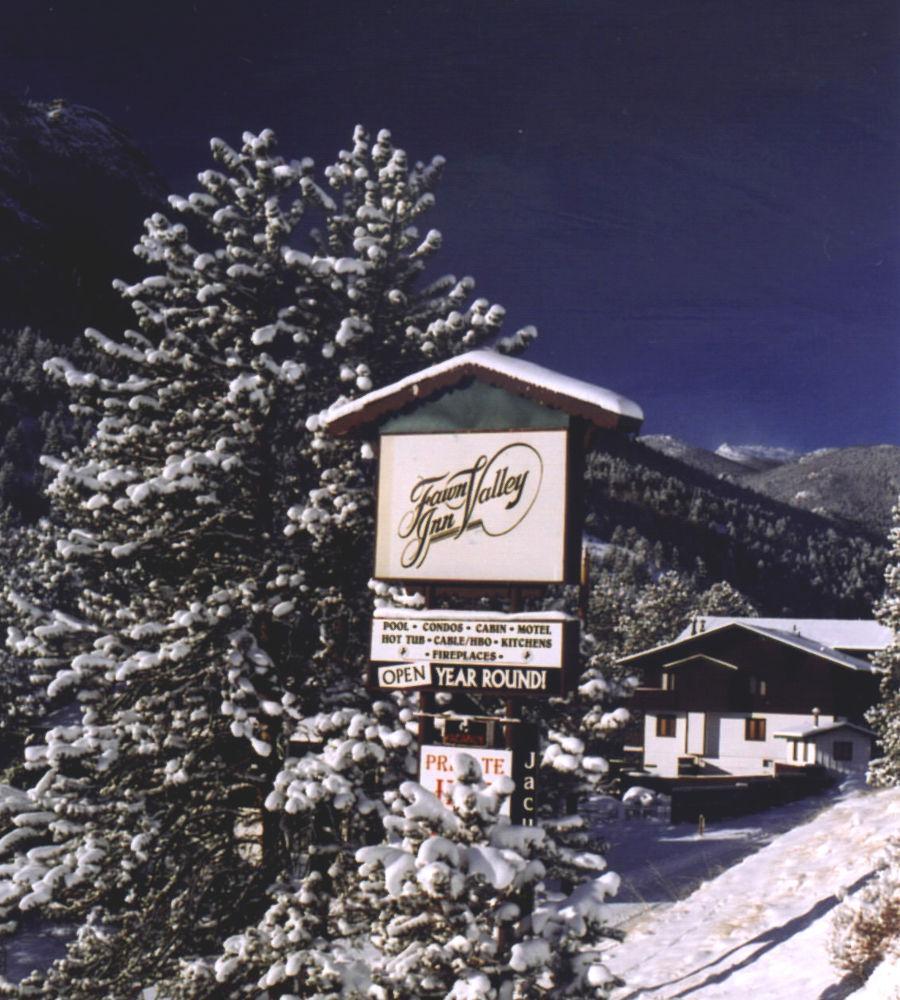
[479, 486]
[471, 507]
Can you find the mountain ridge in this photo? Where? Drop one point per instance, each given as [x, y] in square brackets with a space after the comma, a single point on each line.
[858, 484]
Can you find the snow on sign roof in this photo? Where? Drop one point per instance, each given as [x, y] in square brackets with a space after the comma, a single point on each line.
[839, 633]
[524, 378]
[426, 614]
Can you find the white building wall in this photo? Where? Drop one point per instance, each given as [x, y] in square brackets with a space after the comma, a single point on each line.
[738, 755]
[696, 730]
[661, 753]
[862, 750]
[733, 753]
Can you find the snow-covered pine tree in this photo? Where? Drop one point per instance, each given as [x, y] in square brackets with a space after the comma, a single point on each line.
[24, 673]
[885, 716]
[450, 894]
[199, 640]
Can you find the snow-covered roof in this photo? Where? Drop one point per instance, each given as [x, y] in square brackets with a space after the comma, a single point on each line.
[838, 633]
[524, 378]
[814, 731]
[788, 638]
[819, 648]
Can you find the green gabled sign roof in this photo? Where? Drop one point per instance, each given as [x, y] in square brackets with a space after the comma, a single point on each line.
[484, 390]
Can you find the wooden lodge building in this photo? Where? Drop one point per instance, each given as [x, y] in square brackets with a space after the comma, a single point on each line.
[758, 696]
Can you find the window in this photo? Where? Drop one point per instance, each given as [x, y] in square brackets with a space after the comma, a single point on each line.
[758, 687]
[668, 681]
[754, 729]
[665, 725]
[843, 750]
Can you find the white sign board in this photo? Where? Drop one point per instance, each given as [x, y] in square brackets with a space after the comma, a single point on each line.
[437, 768]
[479, 506]
[504, 639]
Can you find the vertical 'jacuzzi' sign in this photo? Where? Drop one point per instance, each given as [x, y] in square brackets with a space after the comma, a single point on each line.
[480, 506]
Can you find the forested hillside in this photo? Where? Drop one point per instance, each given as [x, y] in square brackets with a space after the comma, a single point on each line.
[856, 485]
[859, 484]
[786, 560]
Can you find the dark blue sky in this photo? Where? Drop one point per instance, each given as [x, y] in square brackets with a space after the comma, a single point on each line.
[696, 201]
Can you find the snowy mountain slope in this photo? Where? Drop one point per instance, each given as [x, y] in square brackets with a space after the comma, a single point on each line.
[761, 928]
[699, 458]
[859, 484]
[756, 456]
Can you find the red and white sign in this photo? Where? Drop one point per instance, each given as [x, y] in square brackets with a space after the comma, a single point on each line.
[437, 768]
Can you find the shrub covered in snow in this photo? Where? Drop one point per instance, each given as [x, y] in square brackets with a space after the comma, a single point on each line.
[866, 926]
[460, 909]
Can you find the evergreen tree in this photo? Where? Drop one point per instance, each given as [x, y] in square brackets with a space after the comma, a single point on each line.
[885, 716]
[34, 418]
[199, 642]
[449, 893]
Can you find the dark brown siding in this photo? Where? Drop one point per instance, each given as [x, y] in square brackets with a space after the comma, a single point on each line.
[796, 680]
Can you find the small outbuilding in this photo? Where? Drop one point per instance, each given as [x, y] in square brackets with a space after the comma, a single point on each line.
[842, 748]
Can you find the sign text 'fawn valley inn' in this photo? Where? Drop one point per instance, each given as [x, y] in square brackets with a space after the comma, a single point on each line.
[486, 506]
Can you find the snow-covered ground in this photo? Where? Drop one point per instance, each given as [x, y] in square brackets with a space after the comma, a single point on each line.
[743, 911]
[760, 929]
[660, 863]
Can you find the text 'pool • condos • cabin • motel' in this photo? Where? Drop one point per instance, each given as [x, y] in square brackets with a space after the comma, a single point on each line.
[749, 696]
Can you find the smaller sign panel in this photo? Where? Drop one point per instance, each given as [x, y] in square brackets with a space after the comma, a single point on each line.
[437, 768]
[526, 769]
[404, 675]
[501, 640]
[522, 682]
[463, 732]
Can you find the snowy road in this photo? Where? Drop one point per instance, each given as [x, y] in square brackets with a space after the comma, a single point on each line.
[760, 929]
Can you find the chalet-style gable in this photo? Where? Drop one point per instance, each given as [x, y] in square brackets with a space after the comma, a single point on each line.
[518, 393]
[723, 637]
[697, 659]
